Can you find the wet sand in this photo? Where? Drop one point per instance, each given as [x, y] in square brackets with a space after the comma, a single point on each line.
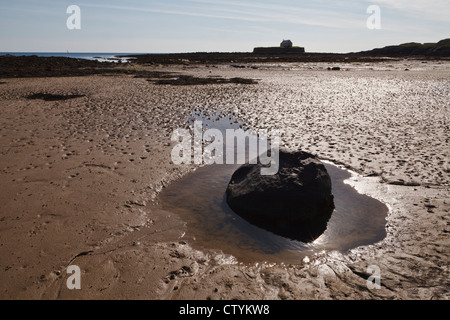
[80, 180]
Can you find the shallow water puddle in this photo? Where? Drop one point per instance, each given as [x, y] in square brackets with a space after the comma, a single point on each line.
[199, 199]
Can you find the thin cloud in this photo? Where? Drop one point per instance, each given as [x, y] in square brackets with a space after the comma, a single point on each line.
[325, 16]
[265, 13]
[174, 12]
[435, 9]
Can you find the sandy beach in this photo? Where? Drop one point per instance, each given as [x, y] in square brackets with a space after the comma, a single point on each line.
[81, 178]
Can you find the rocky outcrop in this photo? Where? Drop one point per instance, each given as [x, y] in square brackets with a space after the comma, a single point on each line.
[440, 49]
[278, 50]
[296, 202]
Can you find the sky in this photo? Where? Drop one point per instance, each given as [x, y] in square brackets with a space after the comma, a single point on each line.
[217, 26]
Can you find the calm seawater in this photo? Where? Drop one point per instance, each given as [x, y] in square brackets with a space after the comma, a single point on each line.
[76, 55]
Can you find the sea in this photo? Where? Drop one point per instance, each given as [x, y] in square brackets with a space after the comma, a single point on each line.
[77, 55]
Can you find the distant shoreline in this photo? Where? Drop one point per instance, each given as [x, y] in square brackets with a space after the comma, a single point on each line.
[248, 57]
[97, 56]
[418, 51]
[26, 66]
[413, 50]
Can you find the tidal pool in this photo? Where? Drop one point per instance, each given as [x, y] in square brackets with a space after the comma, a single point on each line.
[199, 199]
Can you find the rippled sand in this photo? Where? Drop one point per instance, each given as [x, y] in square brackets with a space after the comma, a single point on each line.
[390, 123]
[80, 180]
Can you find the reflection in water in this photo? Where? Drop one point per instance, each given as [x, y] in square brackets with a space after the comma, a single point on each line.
[199, 199]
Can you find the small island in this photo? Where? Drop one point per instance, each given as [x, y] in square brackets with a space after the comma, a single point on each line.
[286, 46]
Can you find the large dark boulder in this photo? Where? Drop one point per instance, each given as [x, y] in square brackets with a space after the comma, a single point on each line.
[296, 202]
